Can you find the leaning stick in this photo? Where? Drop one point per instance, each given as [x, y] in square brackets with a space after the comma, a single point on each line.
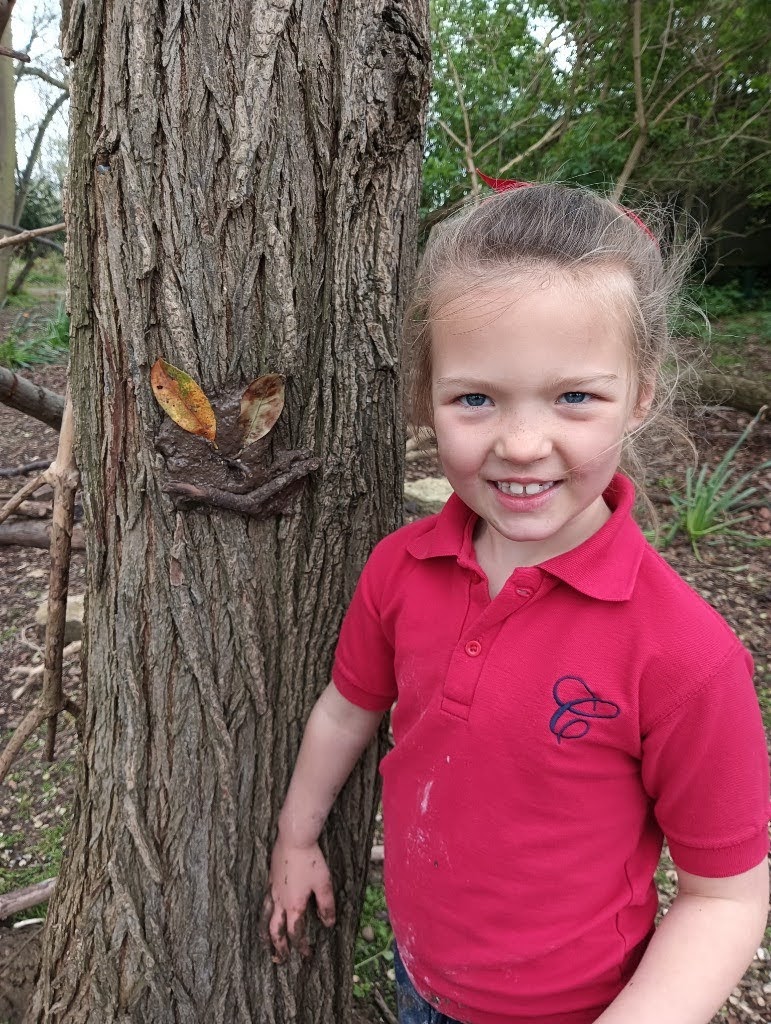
[35, 717]
[27, 236]
[64, 477]
[20, 497]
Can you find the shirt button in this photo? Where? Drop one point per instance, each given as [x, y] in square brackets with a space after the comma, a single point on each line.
[524, 592]
[473, 648]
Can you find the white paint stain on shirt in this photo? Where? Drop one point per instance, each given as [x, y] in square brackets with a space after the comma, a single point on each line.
[424, 801]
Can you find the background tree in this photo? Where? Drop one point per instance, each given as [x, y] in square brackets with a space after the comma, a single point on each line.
[243, 192]
[663, 98]
[7, 142]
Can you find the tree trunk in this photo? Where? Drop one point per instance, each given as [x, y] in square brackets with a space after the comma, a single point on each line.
[243, 199]
[7, 153]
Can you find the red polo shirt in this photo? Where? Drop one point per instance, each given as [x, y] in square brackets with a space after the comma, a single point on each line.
[545, 741]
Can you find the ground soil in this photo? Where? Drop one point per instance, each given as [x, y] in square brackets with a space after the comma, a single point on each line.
[35, 801]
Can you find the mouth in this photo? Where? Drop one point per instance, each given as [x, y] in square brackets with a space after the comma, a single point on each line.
[529, 489]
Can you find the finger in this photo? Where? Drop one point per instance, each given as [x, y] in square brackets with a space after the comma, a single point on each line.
[297, 928]
[266, 912]
[278, 935]
[325, 902]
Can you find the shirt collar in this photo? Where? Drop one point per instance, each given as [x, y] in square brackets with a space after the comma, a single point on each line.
[604, 567]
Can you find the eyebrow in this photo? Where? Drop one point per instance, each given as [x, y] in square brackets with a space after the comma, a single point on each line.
[470, 383]
[477, 384]
[594, 378]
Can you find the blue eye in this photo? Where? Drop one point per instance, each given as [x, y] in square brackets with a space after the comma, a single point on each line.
[473, 401]
[575, 397]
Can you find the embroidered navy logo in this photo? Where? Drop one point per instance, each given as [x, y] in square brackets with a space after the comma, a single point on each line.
[577, 705]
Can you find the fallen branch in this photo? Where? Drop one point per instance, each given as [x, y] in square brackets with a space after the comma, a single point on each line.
[27, 236]
[34, 510]
[736, 392]
[30, 671]
[37, 535]
[29, 467]
[420, 453]
[13, 902]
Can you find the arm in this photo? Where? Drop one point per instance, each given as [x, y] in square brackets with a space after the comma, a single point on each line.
[698, 952]
[335, 736]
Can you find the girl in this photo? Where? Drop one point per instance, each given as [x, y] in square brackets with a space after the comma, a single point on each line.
[563, 699]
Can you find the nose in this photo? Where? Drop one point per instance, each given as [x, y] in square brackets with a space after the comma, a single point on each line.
[521, 440]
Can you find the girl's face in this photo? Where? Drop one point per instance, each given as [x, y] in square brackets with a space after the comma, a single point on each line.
[532, 393]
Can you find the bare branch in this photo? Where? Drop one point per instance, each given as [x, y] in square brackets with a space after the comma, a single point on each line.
[642, 124]
[39, 241]
[58, 83]
[553, 132]
[27, 236]
[468, 147]
[448, 131]
[16, 54]
[664, 48]
[26, 178]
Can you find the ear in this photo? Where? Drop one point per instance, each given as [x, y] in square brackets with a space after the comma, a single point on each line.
[643, 405]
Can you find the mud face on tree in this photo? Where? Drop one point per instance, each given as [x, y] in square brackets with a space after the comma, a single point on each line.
[258, 480]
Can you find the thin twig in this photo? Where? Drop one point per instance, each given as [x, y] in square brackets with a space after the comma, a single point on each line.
[382, 1005]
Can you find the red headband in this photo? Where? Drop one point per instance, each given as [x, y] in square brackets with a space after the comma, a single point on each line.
[506, 184]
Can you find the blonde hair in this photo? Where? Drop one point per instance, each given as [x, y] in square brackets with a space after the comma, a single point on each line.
[583, 236]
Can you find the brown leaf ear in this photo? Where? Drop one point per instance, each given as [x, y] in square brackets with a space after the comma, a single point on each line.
[182, 400]
[261, 406]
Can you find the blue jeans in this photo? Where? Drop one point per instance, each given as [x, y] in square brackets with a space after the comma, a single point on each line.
[413, 1008]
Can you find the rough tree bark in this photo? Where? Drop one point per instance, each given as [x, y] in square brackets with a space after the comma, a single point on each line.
[243, 199]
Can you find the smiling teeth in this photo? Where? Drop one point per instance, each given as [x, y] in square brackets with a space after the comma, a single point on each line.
[515, 488]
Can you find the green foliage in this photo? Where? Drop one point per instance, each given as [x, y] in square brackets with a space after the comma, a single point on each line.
[546, 90]
[33, 340]
[373, 959]
[729, 300]
[43, 206]
[717, 501]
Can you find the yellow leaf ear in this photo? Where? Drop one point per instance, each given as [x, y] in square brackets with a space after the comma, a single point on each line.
[182, 400]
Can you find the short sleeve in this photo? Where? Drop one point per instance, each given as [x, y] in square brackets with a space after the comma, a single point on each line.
[705, 765]
[363, 668]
